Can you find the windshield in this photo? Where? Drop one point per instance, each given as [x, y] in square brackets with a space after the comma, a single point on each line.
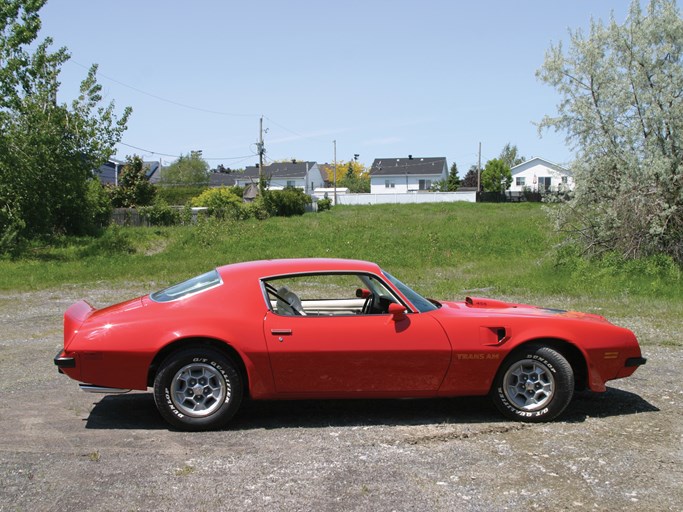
[189, 287]
[422, 304]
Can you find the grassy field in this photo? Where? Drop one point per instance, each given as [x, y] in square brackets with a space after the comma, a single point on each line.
[443, 250]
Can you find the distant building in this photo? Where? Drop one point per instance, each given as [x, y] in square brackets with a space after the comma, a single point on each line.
[539, 175]
[406, 175]
[109, 171]
[303, 175]
[221, 179]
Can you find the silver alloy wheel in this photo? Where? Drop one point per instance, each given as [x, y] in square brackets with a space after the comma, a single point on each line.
[198, 389]
[529, 385]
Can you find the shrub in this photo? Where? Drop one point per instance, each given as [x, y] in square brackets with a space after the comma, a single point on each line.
[221, 202]
[99, 208]
[179, 196]
[161, 214]
[133, 187]
[113, 241]
[257, 208]
[324, 205]
[286, 202]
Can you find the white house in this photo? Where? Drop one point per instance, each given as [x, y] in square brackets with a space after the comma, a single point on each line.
[303, 175]
[539, 175]
[406, 175]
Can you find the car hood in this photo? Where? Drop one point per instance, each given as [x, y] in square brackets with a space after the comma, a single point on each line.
[491, 307]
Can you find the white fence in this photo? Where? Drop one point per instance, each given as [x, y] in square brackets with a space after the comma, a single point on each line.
[427, 197]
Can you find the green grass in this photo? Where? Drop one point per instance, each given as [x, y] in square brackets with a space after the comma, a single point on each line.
[444, 251]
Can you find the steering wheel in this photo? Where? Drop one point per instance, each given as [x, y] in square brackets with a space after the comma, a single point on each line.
[367, 305]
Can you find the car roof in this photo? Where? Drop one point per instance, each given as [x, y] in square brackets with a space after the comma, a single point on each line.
[269, 268]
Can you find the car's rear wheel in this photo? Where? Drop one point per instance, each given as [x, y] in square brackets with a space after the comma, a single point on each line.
[534, 384]
[198, 389]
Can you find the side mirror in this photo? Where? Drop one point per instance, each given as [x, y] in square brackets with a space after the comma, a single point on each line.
[397, 312]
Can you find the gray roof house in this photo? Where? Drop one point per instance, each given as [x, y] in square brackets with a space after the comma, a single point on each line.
[222, 179]
[303, 175]
[111, 169]
[108, 171]
[406, 175]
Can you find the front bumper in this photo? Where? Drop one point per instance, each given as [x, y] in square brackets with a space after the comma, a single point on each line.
[635, 361]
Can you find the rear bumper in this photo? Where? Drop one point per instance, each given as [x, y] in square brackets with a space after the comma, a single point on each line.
[62, 361]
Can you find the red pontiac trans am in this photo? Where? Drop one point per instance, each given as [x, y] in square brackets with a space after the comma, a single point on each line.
[331, 328]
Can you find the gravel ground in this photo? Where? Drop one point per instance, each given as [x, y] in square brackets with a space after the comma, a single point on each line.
[63, 449]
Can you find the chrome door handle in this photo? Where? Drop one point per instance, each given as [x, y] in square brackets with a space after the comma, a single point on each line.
[281, 332]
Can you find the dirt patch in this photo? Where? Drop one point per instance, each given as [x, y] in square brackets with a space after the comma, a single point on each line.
[62, 449]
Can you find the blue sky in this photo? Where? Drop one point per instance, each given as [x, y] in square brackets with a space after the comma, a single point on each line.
[384, 78]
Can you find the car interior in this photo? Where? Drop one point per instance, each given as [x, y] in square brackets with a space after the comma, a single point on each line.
[328, 295]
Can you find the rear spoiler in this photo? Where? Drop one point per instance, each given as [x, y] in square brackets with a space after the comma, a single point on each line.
[74, 318]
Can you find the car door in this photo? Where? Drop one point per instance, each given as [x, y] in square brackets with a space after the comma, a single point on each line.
[357, 355]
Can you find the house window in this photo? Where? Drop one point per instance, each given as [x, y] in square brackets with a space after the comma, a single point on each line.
[389, 184]
[290, 183]
[520, 181]
[544, 183]
[425, 184]
[564, 180]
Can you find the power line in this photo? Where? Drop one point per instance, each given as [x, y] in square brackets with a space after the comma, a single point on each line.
[160, 98]
[295, 133]
[243, 157]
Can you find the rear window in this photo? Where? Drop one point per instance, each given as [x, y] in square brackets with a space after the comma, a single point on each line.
[190, 287]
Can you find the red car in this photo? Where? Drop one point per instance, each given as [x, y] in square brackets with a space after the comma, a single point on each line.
[329, 328]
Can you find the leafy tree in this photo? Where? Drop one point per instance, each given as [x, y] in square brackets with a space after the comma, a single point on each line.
[355, 184]
[622, 111]
[189, 169]
[470, 179]
[134, 188]
[352, 175]
[47, 150]
[510, 156]
[496, 176]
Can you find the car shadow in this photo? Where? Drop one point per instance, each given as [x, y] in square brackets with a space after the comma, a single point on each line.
[138, 411]
[613, 402]
[130, 411]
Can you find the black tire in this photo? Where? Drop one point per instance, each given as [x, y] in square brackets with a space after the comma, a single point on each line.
[198, 389]
[534, 384]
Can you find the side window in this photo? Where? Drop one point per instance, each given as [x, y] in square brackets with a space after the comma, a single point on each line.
[336, 294]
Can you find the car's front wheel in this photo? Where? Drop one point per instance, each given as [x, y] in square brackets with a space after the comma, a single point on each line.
[534, 384]
[198, 389]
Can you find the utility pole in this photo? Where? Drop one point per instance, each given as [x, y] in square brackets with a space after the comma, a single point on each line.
[335, 171]
[261, 151]
[306, 182]
[479, 170]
